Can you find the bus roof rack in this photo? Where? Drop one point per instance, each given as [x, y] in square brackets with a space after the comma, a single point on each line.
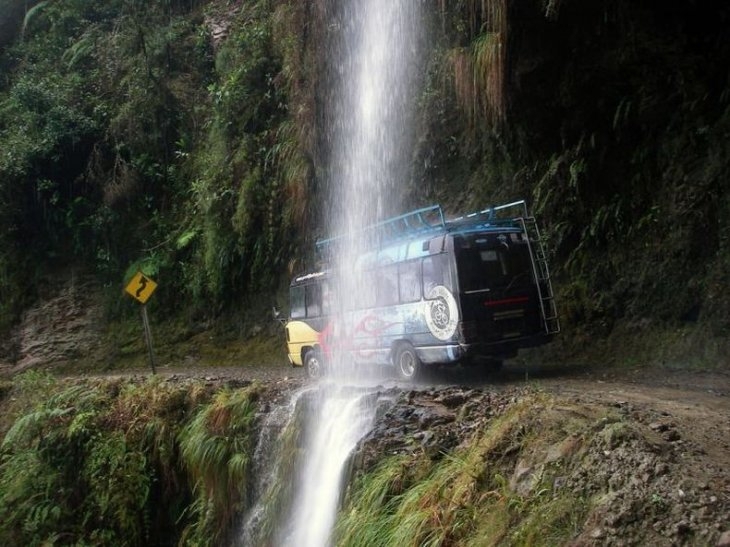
[490, 213]
[425, 221]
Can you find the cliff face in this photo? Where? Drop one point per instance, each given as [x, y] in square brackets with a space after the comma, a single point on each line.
[64, 326]
[522, 466]
[614, 122]
[182, 460]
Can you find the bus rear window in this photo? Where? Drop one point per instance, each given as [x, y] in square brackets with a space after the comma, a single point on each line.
[488, 263]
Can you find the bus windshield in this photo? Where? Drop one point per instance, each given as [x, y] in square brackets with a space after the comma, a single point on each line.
[490, 261]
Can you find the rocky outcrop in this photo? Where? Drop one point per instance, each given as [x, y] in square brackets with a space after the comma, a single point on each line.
[63, 325]
[633, 475]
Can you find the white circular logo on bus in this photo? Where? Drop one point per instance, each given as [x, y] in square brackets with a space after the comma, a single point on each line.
[441, 312]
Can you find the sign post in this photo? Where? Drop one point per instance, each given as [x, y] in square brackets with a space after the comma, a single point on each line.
[148, 337]
[141, 288]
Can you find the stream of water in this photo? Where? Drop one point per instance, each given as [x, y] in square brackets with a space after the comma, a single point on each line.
[375, 54]
[341, 417]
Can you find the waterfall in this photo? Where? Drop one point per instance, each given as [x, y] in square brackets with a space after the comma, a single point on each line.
[371, 128]
[270, 469]
[374, 61]
[340, 418]
[300, 462]
[372, 100]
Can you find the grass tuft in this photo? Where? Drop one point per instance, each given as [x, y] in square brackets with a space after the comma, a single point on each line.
[216, 446]
[464, 498]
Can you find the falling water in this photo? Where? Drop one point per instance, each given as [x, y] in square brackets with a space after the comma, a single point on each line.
[341, 416]
[373, 97]
[269, 469]
[375, 61]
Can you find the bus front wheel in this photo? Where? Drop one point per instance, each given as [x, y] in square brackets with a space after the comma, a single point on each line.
[313, 365]
[407, 364]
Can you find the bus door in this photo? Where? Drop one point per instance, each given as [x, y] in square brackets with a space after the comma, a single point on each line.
[497, 290]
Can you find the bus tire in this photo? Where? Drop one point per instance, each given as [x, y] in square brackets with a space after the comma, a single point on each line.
[407, 364]
[313, 365]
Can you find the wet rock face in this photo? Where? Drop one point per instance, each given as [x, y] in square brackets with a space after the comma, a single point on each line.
[633, 469]
[431, 421]
[65, 324]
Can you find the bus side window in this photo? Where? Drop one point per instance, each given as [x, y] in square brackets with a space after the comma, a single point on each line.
[326, 299]
[296, 299]
[409, 281]
[435, 272]
[386, 293]
[364, 297]
[314, 300]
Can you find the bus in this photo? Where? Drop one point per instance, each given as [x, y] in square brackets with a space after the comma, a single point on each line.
[443, 291]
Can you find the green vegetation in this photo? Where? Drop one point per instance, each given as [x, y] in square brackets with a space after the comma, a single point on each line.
[188, 139]
[131, 141]
[119, 462]
[216, 447]
[613, 121]
[127, 462]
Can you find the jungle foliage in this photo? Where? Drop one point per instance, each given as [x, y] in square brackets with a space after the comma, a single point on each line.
[130, 140]
[122, 462]
[184, 138]
[613, 117]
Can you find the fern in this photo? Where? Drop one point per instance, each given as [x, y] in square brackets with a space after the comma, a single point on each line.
[32, 13]
[215, 447]
[81, 49]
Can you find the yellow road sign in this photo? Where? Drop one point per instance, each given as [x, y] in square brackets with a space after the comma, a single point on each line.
[140, 287]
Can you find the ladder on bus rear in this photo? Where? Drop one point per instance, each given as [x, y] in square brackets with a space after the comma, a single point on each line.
[540, 269]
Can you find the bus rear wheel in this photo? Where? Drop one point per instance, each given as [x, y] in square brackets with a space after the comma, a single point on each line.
[407, 364]
[313, 365]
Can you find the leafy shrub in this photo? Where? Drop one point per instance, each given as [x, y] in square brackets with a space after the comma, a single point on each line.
[108, 462]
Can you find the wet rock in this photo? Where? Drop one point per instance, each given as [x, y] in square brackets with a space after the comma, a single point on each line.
[63, 325]
[452, 400]
[682, 528]
[661, 469]
[563, 450]
[671, 435]
[432, 416]
[425, 437]
[522, 478]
